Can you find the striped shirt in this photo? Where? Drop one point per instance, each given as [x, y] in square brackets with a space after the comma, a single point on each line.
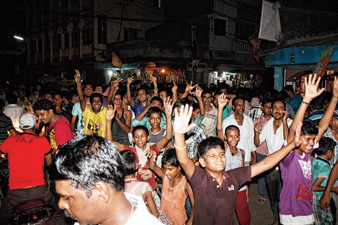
[5, 125]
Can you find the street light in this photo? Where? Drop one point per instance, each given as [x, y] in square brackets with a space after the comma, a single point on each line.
[18, 37]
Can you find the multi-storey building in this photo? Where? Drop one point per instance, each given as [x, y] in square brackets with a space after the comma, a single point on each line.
[198, 39]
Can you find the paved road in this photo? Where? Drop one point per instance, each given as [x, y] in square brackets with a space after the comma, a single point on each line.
[260, 214]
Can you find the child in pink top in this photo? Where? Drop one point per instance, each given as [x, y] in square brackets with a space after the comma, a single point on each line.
[175, 188]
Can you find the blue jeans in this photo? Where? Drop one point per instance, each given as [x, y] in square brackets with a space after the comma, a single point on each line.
[261, 181]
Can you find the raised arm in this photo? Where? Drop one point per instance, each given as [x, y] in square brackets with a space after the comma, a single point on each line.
[168, 108]
[198, 93]
[181, 127]
[129, 98]
[257, 131]
[277, 156]
[140, 116]
[109, 117]
[113, 90]
[311, 91]
[325, 120]
[222, 102]
[325, 199]
[153, 79]
[188, 89]
[152, 165]
[174, 91]
[77, 79]
[190, 193]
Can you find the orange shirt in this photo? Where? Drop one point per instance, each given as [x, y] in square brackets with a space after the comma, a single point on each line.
[173, 201]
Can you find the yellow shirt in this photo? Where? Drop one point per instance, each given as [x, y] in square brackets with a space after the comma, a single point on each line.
[95, 124]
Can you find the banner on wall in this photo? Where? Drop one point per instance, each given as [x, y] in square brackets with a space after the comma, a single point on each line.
[324, 60]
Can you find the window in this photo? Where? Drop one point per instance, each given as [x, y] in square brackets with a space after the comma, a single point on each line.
[102, 31]
[66, 40]
[54, 41]
[87, 35]
[130, 34]
[243, 31]
[47, 44]
[59, 41]
[220, 27]
[75, 38]
[33, 46]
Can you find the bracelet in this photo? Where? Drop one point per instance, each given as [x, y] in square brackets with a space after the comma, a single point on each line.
[306, 103]
[156, 90]
[180, 148]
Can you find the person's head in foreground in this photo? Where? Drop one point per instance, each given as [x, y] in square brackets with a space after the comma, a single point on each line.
[89, 178]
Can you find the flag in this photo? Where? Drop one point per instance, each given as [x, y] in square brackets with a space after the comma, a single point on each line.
[116, 61]
[324, 60]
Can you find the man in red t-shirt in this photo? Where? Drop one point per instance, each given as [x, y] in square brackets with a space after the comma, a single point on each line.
[27, 154]
[59, 131]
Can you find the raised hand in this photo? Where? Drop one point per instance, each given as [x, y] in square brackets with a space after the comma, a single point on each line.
[311, 87]
[198, 92]
[182, 119]
[174, 87]
[222, 101]
[130, 80]
[77, 76]
[335, 88]
[297, 140]
[110, 112]
[153, 79]
[116, 82]
[168, 106]
[189, 87]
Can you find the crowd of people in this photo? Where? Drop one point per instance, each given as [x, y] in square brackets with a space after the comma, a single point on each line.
[167, 153]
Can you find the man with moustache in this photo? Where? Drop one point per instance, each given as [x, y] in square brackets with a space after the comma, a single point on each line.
[275, 132]
[245, 125]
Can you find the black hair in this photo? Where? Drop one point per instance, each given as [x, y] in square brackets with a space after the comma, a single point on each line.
[195, 106]
[57, 93]
[12, 99]
[217, 92]
[145, 88]
[231, 127]
[120, 93]
[309, 128]
[130, 162]
[154, 110]
[66, 94]
[266, 100]
[136, 82]
[140, 127]
[237, 98]
[182, 101]
[278, 100]
[224, 86]
[87, 160]
[167, 91]
[289, 88]
[170, 157]
[95, 95]
[2, 104]
[155, 98]
[325, 144]
[44, 104]
[205, 145]
[207, 91]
